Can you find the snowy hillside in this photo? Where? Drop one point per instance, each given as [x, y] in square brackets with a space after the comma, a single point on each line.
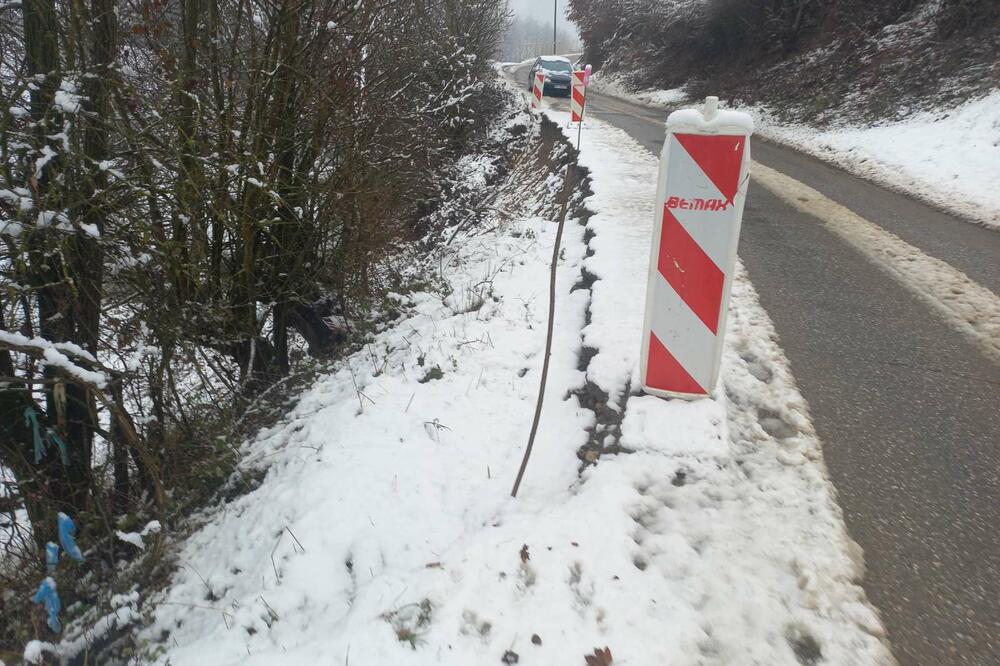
[202, 206]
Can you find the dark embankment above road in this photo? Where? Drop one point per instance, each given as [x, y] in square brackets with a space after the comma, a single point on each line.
[813, 60]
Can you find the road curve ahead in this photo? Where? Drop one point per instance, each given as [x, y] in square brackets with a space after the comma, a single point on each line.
[904, 389]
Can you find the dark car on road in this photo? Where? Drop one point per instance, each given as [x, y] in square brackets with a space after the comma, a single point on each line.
[558, 74]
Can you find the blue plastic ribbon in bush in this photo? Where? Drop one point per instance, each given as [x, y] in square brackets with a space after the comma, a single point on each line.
[67, 530]
[55, 439]
[51, 557]
[48, 596]
[31, 419]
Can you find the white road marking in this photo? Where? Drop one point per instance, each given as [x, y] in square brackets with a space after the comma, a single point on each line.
[970, 308]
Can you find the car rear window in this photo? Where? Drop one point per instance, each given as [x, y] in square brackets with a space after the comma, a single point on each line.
[556, 65]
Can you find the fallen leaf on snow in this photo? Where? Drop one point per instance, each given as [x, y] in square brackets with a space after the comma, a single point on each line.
[600, 657]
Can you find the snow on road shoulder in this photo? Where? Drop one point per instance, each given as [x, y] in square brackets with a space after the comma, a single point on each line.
[949, 157]
[623, 181]
[733, 509]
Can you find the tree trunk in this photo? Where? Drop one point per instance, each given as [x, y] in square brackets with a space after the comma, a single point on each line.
[121, 495]
[323, 342]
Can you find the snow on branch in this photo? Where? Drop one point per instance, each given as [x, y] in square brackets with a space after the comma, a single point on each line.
[54, 354]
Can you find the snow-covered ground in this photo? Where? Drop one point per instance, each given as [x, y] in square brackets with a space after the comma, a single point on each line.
[611, 85]
[949, 157]
[383, 531]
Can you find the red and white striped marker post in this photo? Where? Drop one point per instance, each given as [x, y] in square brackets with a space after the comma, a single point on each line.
[578, 101]
[538, 90]
[699, 207]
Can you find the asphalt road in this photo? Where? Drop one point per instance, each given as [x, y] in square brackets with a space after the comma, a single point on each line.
[908, 410]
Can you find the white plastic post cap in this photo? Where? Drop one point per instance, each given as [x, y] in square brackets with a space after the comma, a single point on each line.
[711, 107]
[710, 119]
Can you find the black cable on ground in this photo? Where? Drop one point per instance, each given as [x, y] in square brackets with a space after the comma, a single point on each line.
[567, 191]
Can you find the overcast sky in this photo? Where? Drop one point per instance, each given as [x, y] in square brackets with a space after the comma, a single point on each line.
[541, 10]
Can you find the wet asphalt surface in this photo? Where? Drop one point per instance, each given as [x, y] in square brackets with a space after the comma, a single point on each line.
[907, 410]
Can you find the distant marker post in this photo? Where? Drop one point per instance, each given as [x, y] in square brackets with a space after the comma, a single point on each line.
[538, 90]
[578, 95]
[581, 81]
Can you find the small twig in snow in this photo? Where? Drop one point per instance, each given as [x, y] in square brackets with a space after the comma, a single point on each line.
[357, 389]
[296, 538]
[207, 586]
[277, 576]
[269, 609]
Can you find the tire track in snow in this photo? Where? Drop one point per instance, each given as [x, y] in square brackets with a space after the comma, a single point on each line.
[968, 307]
